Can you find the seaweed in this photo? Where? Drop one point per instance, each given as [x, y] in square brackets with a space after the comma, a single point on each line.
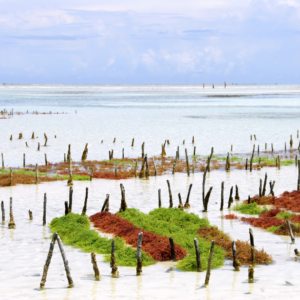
[230, 217]
[182, 226]
[250, 209]
[157, 246]
[74, 230]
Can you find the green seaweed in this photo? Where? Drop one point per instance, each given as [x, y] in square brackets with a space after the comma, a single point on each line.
[74, 230]
[284, 215]
[182, 226]
[250, 209]
[273, 228]
[120, 162]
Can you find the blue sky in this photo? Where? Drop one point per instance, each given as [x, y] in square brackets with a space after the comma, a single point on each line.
[169, 41]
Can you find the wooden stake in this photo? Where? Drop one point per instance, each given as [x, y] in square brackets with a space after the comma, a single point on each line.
[187, 204]
[265, 146]
[290, 230]
[198, 260]
[173, 255]
[46, 139]
[194, 150]
[236, 263]
[251, 237]
[206, 200]
[251, 161]
[69, 153]
[180, 205]
[193, 140]
[249, 199]
[2, 160]
[39, 146]
[132, 143]
[70, 199]
[230, 200]
[66, 208]
[66, 264]
[246, 166]
[36, 174]
[211, 253]
[296, 160]
[203, 187]
[222, 195]
[174, 164]
[251, 274]
[253, 256]
[85, 202]
[85, 153]
[285, 146]
[155, 172]
[70, 180]
[3, 212]
[272, 187]
[11, 224]
[123, 153]
[46, 162]
[114, 268]
[135, 169]
[272, 147]
[260, 187]
[105, 203]
[159, 198]
[11, 177]
[92, 173]
[187, 163]
[123, 200]
[44, 209]
[30, 215]
[237, 197]
[139, 255]
[170, 195]
[95, 266]
[265, 185]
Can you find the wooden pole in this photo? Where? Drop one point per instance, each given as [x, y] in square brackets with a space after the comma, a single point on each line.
[46, 162]
[135, 169]
[2, 160]
[66, 208]
[155, 172]
[70, 199]
[11, 177]
[249, 199]
[272, 187]
[85, 202]
[173, 255]
[114, 268]
[36, 174]
[252, 255]
[92, 173]
[3, 212]
[272, 147]
[198, 260]
[222, 195]
[11, 224]
[211, 253]
[48, 261]
[260, 187]
[187, 203]
[290, 230]
[251, 237]
[105, 203]
[246, 166]
[39, 146]
[251, 274]
[30, 215]
[159, 198]
[237, 196]
[95, 266]
[139, 255]
[230, 200]
[203, 187]
[187, 163]
[265, 185]
[180, 205]
[132, 143]
[170, 195]
[174, 164]
[206, 200]
[44, 209]
[236, 263]
[123, 200]
[66, 264]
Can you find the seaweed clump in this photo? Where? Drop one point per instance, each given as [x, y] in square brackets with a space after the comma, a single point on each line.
[289, 201]
[74, 230]
[250, 209]
[157, 246]
[264, 200]
[231, 217]
[243, 248]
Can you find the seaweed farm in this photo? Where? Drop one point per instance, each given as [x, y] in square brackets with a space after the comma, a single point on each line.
[149, 192]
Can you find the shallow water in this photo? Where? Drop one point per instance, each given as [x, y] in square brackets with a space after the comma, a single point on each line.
[24, 250]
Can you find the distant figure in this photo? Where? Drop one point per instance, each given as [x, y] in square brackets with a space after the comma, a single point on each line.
[203, 85]
[225, 85]
[213, 85]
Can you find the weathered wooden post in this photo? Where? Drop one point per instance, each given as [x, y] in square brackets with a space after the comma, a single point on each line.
[11, 177]
[69, 153]
[85, 201]
[237, 196]
[272, 147]
[236, 263]
[198, 260]
[260, 188]
[290, 231]
[66, 208]
[187, 203]
[30, 215]
[139, 255]
[180, 205]
[135, 169]
[143, 149]
[265, 146]
[251, 237]
[132, 143]
[92, 173]
[251, 274]
[187, 163]
[113, 265]
[46, 139]
[46, 162]
[251, 161]
[170, 195]
[203, 187]
[3, 212]
[155, 171]
[123, 200]
[159, 198]
[11, 224]
[32, 136]
[70, 180]
[44, 209]
[70, 199]
[272, 187]
[95, 266]
[230, 200]
[36, 174]
[39, 146]
[173, 255]
[211, 253]
[246, 166]
[24, 160]
[206, 200]
[265, 185]
[174, 164]
[2, 160]
[85, 153]
[222, 195]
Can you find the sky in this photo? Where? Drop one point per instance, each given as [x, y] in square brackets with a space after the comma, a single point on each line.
[150, 42]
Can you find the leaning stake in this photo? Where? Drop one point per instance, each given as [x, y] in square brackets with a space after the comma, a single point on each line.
[44, 211]
[199, 269]
[209, 263]
[95, 266]
[114, 268]
[173, 255]
[11, 224]
[290, 230]
[85, 202]
[139, 255]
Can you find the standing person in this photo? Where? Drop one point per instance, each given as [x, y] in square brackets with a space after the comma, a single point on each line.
[213, 86]
[225, 85]
[203, 85]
